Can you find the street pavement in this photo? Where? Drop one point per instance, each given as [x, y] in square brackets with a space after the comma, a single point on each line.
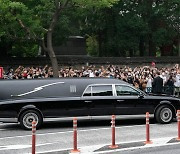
[94, 136]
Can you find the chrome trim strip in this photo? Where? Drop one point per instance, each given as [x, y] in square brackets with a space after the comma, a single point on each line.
[66, 118]
[108, 117]
[9, 120]
[37, 89]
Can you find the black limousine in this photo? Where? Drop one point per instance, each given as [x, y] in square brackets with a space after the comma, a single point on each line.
[26, 100]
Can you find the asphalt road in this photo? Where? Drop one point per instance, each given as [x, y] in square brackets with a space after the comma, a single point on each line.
[94, 136]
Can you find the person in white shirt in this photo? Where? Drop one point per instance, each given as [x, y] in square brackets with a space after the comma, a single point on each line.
[163, 76]
[177, 84]
[91, 74]
[149, 84]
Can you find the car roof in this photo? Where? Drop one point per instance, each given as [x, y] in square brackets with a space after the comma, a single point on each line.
[10, 89]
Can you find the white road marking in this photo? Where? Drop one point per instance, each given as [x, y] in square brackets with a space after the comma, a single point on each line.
[11, 147]
[23, 146]
[89, 149]
[79, 130]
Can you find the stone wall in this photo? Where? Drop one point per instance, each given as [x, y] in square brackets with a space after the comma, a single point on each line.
[85, 60]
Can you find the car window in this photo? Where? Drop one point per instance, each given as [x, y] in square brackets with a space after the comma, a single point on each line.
[87, 92]
[100, 90]
[126, 91]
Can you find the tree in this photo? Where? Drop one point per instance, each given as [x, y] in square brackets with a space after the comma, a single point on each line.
[15, 18]
[133, 27]
[59, 6]
[45, 15]
[158, 20]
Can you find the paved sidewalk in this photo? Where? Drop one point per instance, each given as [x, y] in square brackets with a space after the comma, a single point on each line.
[98, 149]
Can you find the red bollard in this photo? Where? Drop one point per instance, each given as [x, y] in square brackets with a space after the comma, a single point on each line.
[33, 137]
[147, 130]
[75, 150]
[113, 146]
[178, 119]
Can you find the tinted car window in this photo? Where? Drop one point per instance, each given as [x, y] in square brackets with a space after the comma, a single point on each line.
[102, 90]
[125, 90]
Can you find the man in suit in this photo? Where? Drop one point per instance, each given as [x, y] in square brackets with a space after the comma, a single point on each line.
[157, 84]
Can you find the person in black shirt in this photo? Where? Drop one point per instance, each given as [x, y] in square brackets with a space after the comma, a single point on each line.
[169, 85]
[157, 84]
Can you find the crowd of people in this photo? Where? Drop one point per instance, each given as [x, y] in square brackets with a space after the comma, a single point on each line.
[147, 78]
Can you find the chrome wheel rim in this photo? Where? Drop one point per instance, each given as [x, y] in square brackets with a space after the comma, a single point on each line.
[166, 115]
[29, 118]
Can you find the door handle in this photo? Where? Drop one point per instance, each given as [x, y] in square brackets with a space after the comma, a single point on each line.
[87, 101]
[120, 100]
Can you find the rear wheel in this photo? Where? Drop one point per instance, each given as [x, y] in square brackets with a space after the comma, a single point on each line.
[164, 114]
[28, 117]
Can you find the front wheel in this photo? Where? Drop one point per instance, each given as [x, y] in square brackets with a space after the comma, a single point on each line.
[164, 114]
[28, 117]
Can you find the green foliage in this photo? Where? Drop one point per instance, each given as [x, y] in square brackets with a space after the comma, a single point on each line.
[95, 3]
[22, 20]
[12, 13]
[26, 50]
[162, 36]
[133, 26]
[113, 27]
[92, 46]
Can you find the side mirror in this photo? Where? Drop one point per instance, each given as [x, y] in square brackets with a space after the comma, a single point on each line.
[141, 95]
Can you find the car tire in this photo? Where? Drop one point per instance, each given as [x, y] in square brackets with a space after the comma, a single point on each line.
[27, 117]
[164, 114]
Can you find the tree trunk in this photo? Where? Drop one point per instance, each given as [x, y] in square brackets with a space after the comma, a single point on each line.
[167, 50]
[141, 47]
[49, 48]
[152, 47]
[5, 46]
[178, 47]
[131, 53]
[52, 55]
[100, 44]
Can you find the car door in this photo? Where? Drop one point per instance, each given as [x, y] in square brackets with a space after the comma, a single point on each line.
[67, 106]
[99, 100]
[127, 99]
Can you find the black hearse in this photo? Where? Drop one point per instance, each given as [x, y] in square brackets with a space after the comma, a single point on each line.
[26, 100]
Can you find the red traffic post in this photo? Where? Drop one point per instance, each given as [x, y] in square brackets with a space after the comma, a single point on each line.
[33, 137]
[148, 141]
[178, 122]
[113, 146]
[75, 150]
[1, 72]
